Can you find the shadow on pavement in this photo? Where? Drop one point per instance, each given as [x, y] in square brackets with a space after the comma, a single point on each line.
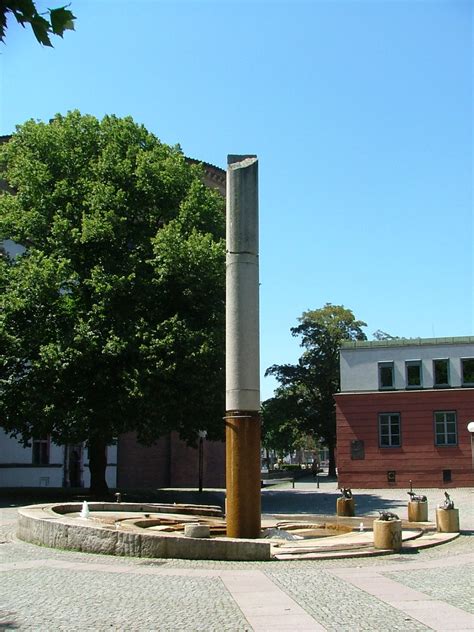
[317, 501]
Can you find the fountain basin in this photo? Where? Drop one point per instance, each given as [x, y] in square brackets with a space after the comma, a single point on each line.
[158, 531]
[59, 526]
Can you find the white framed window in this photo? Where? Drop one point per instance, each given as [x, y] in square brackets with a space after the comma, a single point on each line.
[467, 371]
[441, 373]
[40, 451]
[389, 430]
[413, 374]
[386, 376]
[445, 428]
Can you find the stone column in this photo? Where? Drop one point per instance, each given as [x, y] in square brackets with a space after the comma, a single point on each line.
[417, 511]
[388, 534]
[447, 520]
[345, 507]
[242, 350]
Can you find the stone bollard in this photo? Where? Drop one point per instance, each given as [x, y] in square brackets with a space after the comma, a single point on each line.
[345, 507]
[388, 534]
[417, 511]
[193, 530]
[447, 520]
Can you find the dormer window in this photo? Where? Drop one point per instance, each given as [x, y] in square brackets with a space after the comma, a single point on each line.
[413, 374]
[441, 373]
[467, 371]
[386, 376]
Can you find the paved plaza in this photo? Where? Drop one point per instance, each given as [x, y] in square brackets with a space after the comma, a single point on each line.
[46, 589]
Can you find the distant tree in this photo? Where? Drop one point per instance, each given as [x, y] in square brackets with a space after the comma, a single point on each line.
[315, 379]
[112, 320]
[283, 425]
[383, 335]
[280, 424]
[52, 22]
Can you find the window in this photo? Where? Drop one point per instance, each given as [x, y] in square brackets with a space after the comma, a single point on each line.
[467, 371]
[441, 373]
[389, 430]
[445, 428]
[413, 373]
[386, 375]
[41, 451]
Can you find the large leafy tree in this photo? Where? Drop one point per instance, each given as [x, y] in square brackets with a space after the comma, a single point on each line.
[315, 379]
[283, 425]
[280, 423]
[113, 317]
[51, 22]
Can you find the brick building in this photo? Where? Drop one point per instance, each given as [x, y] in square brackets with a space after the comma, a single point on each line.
[169, 463]
[402, 413]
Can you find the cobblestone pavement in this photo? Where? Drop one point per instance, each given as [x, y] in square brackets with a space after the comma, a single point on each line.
[48, 590]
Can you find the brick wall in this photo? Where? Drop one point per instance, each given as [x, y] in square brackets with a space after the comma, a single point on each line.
[418, 458]
[168, 463]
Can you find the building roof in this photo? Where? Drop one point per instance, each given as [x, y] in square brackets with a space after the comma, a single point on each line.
[407, 342]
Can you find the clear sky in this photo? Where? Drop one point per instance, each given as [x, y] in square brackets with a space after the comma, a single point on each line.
[360, 113]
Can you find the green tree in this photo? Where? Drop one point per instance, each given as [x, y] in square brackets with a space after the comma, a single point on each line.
[51, 22]
[113, 318]
[280, 425]
[283, 426]
[315, 379]
[383, 335]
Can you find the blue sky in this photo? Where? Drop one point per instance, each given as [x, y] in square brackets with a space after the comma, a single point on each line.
[360, 113]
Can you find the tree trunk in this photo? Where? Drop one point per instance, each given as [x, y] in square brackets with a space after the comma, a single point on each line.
[332, 461]
[97, 466]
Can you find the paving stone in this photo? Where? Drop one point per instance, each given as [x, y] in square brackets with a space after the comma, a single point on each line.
[51, 589]
[54, 599]
[452, 585]
[339, 606]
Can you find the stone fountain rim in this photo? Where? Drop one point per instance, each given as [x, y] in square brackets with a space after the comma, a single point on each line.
[49, 525]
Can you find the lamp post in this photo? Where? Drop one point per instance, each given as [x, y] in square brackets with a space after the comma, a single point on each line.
[470, 427]
[202, 435]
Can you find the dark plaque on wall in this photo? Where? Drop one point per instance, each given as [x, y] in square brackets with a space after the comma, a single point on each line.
[357, 450]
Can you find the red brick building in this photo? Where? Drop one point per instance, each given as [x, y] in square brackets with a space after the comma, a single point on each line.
[168, 463]
[403, 411]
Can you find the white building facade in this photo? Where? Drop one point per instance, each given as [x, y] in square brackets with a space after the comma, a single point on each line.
[46, 464]
[417, 363]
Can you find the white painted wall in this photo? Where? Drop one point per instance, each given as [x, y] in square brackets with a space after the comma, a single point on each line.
[12, 453]
[359, 365]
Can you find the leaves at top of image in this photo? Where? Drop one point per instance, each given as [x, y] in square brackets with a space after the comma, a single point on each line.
[53, 21]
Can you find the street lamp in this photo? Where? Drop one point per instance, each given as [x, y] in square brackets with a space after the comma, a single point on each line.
[470, 427]
[202, 435]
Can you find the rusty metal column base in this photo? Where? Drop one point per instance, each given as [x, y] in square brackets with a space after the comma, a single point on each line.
[243, 513]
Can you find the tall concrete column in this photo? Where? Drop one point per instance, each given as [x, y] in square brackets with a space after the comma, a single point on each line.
[242, 350]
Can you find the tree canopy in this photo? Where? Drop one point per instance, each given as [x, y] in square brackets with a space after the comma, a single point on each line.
[51, 22]
[112, 319]
[280, 423]
[315, 379]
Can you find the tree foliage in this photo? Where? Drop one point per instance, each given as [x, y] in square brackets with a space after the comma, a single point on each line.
[283, 427]
[315, 379]
[383, 335]
[51, 22]
[113, 318]
[280, 423]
